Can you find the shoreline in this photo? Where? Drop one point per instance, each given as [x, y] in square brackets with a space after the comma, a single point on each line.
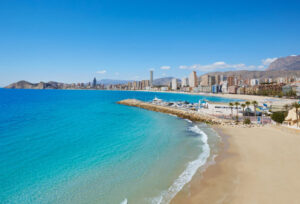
[243, 97]
[235, 176]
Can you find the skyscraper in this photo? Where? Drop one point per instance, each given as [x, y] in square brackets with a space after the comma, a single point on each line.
[151, 78]
[174, 84]
[94, 82]
[193, 82]
[184, 82]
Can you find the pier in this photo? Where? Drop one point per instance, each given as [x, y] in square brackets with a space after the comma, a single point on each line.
[186, 114]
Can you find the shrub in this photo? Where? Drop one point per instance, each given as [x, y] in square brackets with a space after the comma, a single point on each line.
[278, 117]
[247, 121]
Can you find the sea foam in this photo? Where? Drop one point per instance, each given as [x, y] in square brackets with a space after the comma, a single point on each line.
[124, 201]
[187, 175]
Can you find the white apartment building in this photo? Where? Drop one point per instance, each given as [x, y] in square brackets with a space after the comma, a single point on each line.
[184, 82]
[174, 84]
[254, 82]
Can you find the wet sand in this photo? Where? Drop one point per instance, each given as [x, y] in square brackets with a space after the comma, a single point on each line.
[255, 165]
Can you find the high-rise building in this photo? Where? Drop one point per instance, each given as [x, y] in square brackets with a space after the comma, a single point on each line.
[212, 80]
[184, 82]
[193, 82]
[174, 84]
[218, 79]
[204, 80]
[94, 82]
[231, 81]
[151, 78]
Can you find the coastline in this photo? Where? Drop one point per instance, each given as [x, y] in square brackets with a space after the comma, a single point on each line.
[259, 99]
[254, 165]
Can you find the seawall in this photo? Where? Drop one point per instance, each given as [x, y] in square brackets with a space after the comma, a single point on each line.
[191, 115]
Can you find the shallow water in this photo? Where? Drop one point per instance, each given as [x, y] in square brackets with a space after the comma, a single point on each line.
[64, 146]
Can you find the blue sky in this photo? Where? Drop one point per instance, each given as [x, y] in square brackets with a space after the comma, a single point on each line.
[74, 41]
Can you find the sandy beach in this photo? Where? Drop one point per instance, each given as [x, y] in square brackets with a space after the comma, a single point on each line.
[255, 165]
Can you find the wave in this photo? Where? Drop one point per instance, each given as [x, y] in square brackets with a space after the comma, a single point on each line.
[188, 120]
[124, 201]
[187, 175]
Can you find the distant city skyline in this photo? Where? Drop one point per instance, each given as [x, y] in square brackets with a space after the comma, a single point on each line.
[69, 41]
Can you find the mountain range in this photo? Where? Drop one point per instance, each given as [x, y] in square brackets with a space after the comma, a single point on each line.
[282, 67]
[285, 63]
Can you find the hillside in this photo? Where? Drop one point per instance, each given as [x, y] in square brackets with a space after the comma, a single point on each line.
[260, 74]
[27, 85]
[285, 63]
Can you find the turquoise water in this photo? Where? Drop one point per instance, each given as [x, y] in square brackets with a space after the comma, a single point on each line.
[64, 146]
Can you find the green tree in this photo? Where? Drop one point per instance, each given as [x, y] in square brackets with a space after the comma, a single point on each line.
[286, 108]
[231, 107]
[296, 106]
[248, 103]
[278, 117]
[243, 107]
[237, 110]
[254, 103]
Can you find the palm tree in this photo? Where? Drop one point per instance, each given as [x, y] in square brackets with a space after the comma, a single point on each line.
[286, 107]
[237, 110]
[297, 106]
[231, 107]
[243, 107]
[247, 104]
[254, 103]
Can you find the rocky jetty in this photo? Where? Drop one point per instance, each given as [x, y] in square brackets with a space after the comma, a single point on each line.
[191, 115]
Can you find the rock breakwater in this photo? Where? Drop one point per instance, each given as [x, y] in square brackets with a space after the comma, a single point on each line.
[187, 114]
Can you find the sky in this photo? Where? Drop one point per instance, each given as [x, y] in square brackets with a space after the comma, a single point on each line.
[74, 41]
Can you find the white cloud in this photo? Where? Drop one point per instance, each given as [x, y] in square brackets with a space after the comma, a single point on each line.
[261, 67]
[101, 72]
[293, 55]
[268, 61]
[117, 73]
[163, 74]
[183, 67]
[152, 69]
[165, 67]
[223, 66]
[217, 66]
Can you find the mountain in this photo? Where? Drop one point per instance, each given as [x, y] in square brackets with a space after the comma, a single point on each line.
[162, 81]
[285, 63]
[112, 81]
[27, 85]
[24, 85]
[259, 74]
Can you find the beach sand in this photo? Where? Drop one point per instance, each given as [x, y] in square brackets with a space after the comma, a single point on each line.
[255, 165]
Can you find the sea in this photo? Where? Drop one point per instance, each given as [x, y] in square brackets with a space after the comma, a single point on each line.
[80, 146]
